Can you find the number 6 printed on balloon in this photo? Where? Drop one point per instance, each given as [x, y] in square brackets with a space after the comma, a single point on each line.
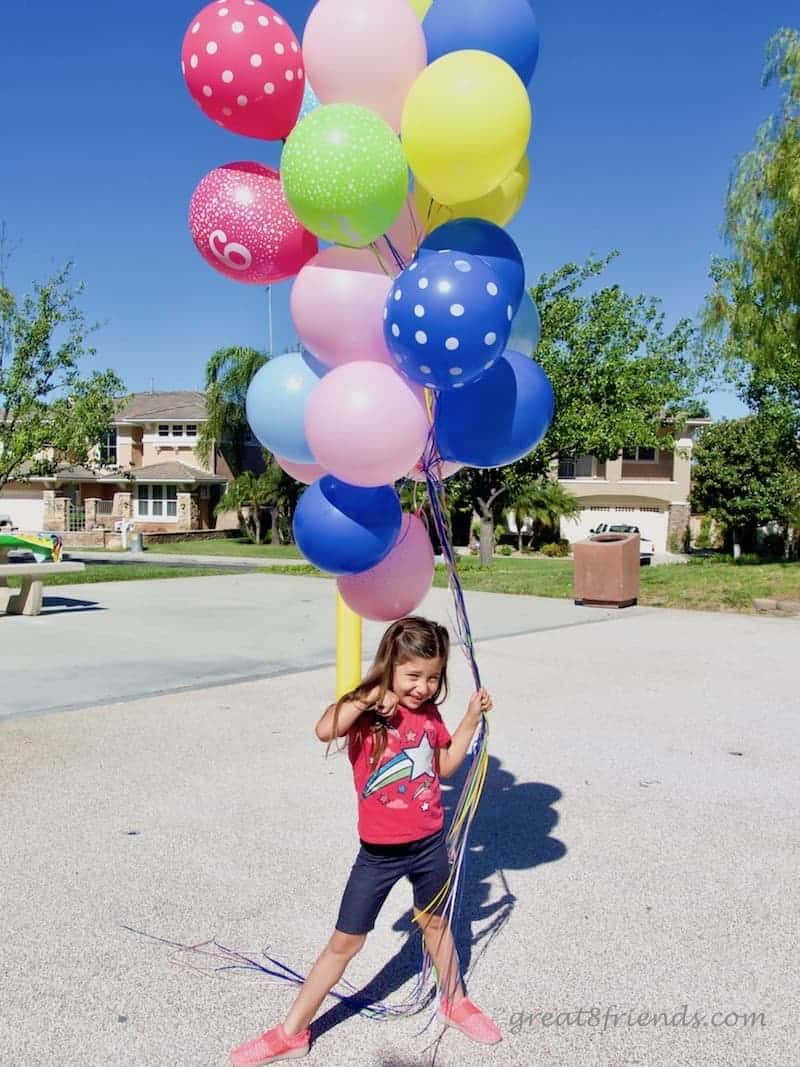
[232, 248]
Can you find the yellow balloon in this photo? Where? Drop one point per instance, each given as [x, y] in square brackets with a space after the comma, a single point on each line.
[466, 124]
[422, 7]
[499, 206]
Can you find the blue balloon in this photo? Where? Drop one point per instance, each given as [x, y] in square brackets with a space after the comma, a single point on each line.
[346, 529]
[276, 404]
[310, 102]
[507, 28]
[499, 419]
[526, 329]
[447, 318]
[491, 243]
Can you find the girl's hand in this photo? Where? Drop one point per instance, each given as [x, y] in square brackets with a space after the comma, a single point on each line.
[387, 707]
[480, 703]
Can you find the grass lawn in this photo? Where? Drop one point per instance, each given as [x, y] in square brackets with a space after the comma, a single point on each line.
[124, 572]
[226, 546]
[701, 584]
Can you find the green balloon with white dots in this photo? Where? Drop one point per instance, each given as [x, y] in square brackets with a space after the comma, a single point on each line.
[345, 174]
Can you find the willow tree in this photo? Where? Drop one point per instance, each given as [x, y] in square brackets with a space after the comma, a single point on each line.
[754, 308]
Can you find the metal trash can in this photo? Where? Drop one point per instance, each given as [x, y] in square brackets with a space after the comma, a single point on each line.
[136, 542]
[607, 570]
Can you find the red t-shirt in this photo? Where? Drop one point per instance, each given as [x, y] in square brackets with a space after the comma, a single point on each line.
[399, 800]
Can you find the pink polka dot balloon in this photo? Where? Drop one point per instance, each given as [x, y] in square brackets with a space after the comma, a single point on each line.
[243, 66]
[243, 227]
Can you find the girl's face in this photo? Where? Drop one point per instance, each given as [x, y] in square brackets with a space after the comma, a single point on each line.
[416, 681]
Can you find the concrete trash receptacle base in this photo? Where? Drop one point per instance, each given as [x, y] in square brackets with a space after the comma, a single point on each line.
[607, 570]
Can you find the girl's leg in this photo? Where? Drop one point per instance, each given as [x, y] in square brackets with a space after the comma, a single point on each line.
[322, 977]
[442, 948]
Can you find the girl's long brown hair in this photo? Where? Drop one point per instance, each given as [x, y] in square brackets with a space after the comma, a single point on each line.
[406, 639]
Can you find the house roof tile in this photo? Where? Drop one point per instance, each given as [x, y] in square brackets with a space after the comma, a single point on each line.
[165, 472]
[186, 405]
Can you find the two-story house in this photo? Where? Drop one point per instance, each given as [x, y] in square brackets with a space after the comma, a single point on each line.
[644, 487]
[146, 471]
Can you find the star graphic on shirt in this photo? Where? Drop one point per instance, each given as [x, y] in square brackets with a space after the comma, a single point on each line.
[407, 765]
[424, 806]
[421, 758]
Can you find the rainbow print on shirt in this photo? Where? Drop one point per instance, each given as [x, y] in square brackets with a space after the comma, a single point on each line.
[409, 764]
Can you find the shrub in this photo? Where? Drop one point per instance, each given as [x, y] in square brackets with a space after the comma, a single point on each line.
[505, 550]
[556, 548]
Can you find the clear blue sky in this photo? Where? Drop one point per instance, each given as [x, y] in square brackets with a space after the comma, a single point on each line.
[639, 113]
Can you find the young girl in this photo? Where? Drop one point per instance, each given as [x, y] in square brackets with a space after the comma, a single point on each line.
[399, 748]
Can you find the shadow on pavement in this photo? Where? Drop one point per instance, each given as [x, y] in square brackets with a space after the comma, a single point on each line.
[68, 605]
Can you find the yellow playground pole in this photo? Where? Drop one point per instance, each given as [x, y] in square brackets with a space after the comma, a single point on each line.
[348, 647]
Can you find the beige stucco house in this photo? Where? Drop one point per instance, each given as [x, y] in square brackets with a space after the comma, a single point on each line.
[644, 487]
[146, 471]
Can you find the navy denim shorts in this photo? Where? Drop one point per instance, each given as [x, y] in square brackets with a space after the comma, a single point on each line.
[376, 870]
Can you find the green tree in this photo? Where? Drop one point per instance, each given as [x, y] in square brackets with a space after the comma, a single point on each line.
[228, 374]
[753, 311]
[51, 411]
[543, 503]
[615, 372]
[746, 473]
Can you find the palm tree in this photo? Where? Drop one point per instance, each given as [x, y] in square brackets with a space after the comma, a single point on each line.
[543, 503]
[228, 375]
[250, 495]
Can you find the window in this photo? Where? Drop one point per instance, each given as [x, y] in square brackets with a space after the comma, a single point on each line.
[156, 501]
[577, 467]
[107, 451]
[171, 430]
[640, 455]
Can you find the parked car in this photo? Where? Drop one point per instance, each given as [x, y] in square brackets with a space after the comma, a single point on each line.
[646, 547]
[6, 524]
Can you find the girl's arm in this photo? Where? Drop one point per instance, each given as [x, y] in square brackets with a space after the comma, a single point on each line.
[451, 758]
[348, 713]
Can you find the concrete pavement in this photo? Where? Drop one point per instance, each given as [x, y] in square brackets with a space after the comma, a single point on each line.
[114, 641]
[636, 844]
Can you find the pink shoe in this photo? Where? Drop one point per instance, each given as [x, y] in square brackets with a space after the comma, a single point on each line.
[470, 1020]
[270, 1046]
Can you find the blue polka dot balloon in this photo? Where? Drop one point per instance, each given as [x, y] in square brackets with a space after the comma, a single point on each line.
[447, 319]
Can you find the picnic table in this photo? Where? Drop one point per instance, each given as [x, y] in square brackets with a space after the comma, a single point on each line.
[28, 599]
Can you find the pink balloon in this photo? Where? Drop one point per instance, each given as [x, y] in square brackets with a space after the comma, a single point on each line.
[243, 226]
[448, 469]
[367, 52]
[301, 472]
[406, 236]
[399, 583]
[337, 306]
[365, 424]
[243, 66]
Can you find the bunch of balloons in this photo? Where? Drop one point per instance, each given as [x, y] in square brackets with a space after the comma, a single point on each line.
[416, 326]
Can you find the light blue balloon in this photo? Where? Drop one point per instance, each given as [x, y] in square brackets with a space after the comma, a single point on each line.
[526, 329]
[310, 102]
[276, 404]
